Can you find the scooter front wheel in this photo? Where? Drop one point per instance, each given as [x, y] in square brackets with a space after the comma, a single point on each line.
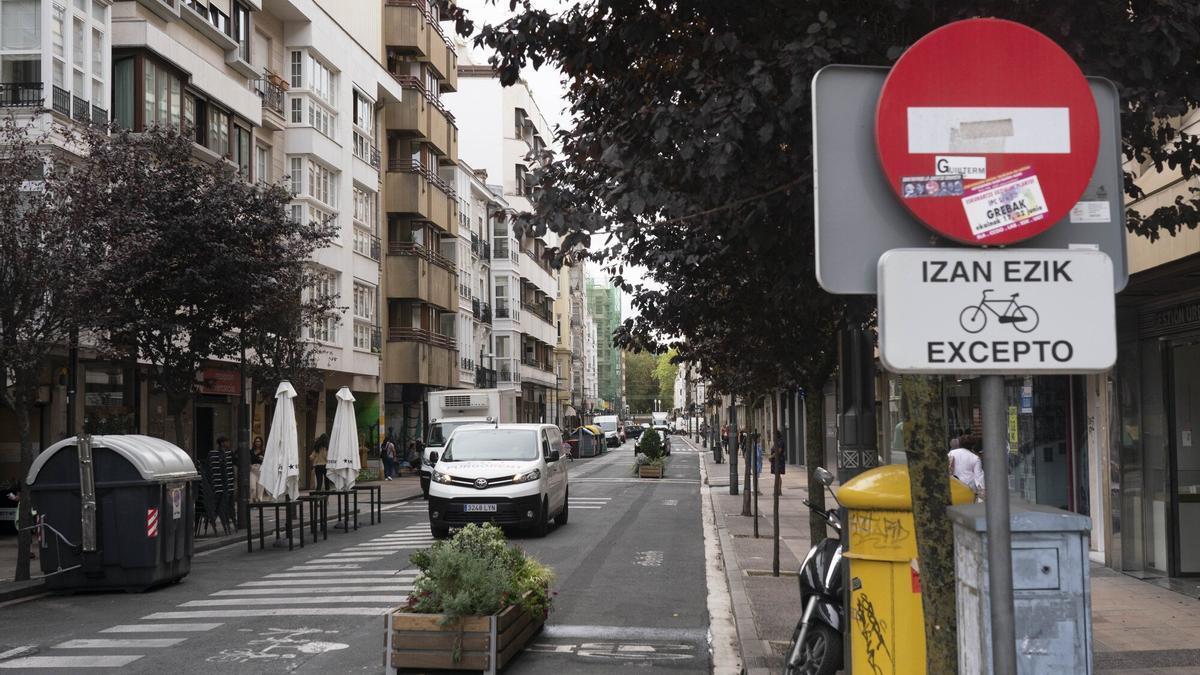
[819, 654]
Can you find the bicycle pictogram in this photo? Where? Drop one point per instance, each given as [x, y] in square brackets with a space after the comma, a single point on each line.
[975, 317]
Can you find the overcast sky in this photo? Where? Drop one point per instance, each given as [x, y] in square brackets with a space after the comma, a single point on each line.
[546, 85]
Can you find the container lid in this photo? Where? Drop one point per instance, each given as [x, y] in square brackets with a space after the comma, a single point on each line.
[886, 488]
[1023, 517]
[154, 458]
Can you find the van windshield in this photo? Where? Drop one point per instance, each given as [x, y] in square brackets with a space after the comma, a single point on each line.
[484, 445]
[607, 426]
[440, 431]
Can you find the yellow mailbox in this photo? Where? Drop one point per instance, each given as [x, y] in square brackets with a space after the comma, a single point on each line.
[885, 620]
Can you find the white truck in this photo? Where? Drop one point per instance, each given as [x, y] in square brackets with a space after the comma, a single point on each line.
[454, 408]
[614, 433]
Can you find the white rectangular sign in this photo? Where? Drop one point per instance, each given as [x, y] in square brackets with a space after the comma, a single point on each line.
[989, 130]
[995, 312]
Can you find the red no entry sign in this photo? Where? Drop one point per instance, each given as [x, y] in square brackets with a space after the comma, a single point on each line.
[987, 131]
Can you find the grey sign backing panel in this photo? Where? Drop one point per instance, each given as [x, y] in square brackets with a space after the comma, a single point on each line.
[858, 217]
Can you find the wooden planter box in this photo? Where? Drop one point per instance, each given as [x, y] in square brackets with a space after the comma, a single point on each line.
[488, 643]
[647, 471]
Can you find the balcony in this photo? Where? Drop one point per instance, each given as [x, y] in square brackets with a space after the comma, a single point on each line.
[508, 371]
[476, 308]
[99, 116]
[542, 311]
[485, 313]
[466, 364]
[423, 114]
[413, 271]
[407, 26]
[271, 90]
[506, 310]
[61, 101]
[412, 189]
[20, 94]
[416, 356]
[485, 378]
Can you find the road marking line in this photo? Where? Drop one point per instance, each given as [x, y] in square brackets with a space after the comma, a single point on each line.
[289, 611]
[308, 582]
[581, 506]
[114, 643]
[314, 589]
[160, 628]
[311, 566]
[17, 651]
[71, 661]
[361, 573]
[333, 557]
[239, 602]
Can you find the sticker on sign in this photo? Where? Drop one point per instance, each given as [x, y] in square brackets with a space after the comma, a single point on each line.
[970, 168]
[1016, 311]
[1004, 203]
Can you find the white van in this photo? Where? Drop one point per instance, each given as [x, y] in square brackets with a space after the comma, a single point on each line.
[611, 426]
[507, 474]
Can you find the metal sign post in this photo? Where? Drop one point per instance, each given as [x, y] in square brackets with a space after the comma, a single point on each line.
[999, 536]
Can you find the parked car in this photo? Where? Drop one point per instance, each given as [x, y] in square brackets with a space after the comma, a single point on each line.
[507, 474]
[633, 430]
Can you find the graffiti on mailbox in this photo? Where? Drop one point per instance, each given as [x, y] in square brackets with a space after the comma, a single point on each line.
[872, 629]
[867, 527]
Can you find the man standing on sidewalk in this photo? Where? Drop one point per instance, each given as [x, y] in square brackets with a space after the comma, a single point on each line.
[965, 465]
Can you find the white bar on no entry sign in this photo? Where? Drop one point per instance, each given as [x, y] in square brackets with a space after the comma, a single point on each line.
[972, 311]
[989, 130]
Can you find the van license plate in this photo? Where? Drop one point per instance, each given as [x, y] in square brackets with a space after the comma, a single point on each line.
[486, 508]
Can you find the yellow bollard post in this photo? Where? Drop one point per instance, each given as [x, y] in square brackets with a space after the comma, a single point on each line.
[885, 621]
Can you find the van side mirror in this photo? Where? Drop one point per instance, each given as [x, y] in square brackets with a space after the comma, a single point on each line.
[554, 455]
[433, 458]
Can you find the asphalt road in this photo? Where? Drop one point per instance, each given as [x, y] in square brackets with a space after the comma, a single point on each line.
[631, 593]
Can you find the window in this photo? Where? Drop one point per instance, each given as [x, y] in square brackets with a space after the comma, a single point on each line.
[325, 285]
[20, 24]
[218, 131]
[521, 179]
[296, 174]
[362, 335]
[241, 30]
[58, 42]
[320, 80]
[297, 69]
[241, 151]
[162, 95]
[262, 163]
[297, 110]
[98, 51]
[123, 92]
[320, 118]
[364, 208]
[321, 184]
[364, 302]
[364, 114]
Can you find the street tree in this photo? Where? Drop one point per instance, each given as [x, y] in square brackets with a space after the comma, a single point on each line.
[691, 147]
[664, 373]
[640, 385]
[195, 254]
[44, 258]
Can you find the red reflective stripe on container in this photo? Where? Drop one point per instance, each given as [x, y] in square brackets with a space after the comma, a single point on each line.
[151, 522]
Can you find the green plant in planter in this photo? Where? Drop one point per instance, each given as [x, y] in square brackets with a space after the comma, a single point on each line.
[477, 573]
[650, 450]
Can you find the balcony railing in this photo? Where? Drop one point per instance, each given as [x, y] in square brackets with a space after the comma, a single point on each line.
[81, 110]
[405, 165]
[505, 311]
[414, 83]
[99, 115]
[466, 363]
[485, 378]
[421, 251]
[20, 94]
[271, 91]
[507, 370]
[61, 100]
[420, 335]
[541, 311]
[485, 313]
[376, 339]
[476, 307]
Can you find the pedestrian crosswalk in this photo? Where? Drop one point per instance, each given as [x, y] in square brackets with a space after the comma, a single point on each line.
[334, 584]
[418, 506]
[589, 502]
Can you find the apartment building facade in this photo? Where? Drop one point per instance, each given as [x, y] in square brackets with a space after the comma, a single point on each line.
[503, 134]
[479, 204]
[604, 302]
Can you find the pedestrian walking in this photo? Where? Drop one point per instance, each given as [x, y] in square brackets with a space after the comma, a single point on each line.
[257, 448]
[319, 457]
[389, 458]
[965, 465]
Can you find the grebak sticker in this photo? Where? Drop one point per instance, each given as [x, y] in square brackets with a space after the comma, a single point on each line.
[1004, 203]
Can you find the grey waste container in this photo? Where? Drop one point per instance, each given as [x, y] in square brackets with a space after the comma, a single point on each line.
[144, 497]
[1051, 589]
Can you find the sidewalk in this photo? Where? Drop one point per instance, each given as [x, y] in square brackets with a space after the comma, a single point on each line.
[1137, 627]
[393, 491]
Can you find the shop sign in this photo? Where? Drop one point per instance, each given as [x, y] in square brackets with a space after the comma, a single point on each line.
[219, 382]
[996, 312]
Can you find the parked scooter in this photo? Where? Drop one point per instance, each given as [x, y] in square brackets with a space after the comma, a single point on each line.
[817, 640]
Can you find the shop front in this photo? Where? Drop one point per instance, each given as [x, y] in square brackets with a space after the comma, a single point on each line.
[1156, 434]
[1046, 433]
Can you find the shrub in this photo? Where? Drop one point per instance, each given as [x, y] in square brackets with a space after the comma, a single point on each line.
[651, 445]
[476, 572]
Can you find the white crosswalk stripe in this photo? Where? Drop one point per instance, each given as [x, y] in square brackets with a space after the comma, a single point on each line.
[589, 503]
[241, 602]
[61, 662]
[358, 574]
[118, 643]
[315, 589]
[274, 611]
[162, 628]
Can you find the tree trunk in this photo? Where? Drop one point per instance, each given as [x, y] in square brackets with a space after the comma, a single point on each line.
[814, 454]
[176, 404]
[21, 402]
[924, 432]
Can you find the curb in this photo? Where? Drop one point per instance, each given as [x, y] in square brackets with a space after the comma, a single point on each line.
[16, 590]
[722, 618]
